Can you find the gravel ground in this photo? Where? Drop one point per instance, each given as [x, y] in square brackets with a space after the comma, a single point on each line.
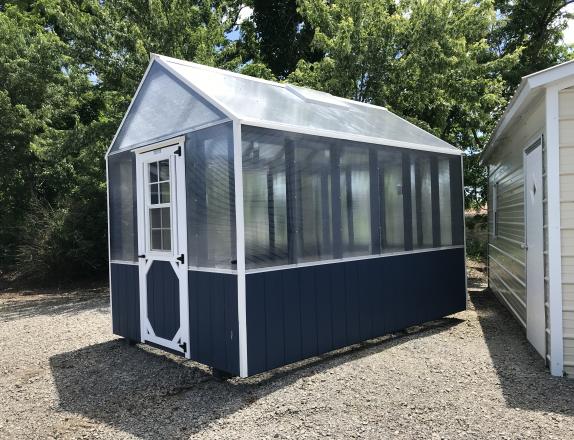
[471, 375]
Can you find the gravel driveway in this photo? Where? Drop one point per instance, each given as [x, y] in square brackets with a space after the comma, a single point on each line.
[471, 375]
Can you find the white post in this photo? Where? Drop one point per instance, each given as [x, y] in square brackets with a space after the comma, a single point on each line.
[240, 248]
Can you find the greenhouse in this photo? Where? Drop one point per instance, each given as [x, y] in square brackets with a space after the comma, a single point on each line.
[253, 224]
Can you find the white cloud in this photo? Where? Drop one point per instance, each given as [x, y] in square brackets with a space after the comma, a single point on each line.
[244, 14]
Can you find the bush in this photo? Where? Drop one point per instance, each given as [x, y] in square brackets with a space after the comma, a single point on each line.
[476, 236]
[63, 242]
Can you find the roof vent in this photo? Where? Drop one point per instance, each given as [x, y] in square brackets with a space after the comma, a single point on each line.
[315, 97]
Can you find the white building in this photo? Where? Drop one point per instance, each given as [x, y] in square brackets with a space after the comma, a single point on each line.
[530, 159]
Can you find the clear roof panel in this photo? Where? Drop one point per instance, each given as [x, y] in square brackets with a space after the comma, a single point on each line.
[265, 101]
[164, 106]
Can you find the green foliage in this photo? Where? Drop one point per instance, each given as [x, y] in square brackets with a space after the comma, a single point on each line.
[68, 70]
[282, 36]
[477, 236]
[428, 61]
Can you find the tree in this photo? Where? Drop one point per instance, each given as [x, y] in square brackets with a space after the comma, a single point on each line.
[282, 36]
[535, 28]
[68, 70]
[428, 61]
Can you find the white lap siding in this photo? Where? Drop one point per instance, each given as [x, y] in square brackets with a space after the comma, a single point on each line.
[566, 139]
[506, 257]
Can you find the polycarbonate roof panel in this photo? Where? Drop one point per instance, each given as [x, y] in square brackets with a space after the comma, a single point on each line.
[268, 102]
[163, 106]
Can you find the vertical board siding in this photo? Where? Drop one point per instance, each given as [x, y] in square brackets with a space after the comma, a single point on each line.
[506, 258]
[125, 300]
[566, 140]
[163, 299]
[297, 313]
[213, 321]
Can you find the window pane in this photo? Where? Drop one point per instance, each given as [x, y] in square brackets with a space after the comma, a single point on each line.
[152, 172]
[390, 164]
[154, 200]
[355, 201]
[155, 218]
[166, 239]
[165, 218]
[164, 170]
[164, 192]
[444, 202]
[156, 239]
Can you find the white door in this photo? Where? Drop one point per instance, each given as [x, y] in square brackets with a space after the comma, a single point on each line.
[535, 313]
[162, 244]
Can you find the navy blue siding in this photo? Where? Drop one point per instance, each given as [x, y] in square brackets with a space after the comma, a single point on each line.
[125, 300]
[297, 313]
[213, 324]
[163, 299]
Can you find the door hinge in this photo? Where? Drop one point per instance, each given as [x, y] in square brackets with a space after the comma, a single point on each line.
[181, 258]
[178, 151]
[183, 346]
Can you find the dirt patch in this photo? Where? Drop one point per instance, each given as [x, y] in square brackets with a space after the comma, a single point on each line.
[471, 375]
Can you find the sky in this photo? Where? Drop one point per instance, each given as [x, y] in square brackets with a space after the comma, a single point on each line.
[569, 32]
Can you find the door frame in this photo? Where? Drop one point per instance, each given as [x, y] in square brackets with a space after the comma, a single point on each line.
[174, 150]
[535, 308]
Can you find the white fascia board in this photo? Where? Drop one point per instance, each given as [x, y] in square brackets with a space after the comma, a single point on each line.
[515, 105]
[553, 76]
[349, 137]
[548, 76]
[216, 103]
[152, 57]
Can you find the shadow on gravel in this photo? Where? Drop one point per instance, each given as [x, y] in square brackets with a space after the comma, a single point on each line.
[153, 395]
[27, 306]
[524, 379]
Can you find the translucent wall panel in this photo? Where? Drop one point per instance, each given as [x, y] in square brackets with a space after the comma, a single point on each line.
[355, 203]
[211, 197]
[308, 198]
[445, 201]
[122, 207]
[313, 163]
[391, 193]
[265, 200]
[421, 200]
[249, 98]
[164, 106]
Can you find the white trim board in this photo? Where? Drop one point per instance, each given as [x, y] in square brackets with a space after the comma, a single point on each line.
[554, 237]
[349, 137]
[347, 259]
[240, 249]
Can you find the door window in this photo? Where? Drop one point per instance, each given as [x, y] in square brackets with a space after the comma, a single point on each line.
[159, 206]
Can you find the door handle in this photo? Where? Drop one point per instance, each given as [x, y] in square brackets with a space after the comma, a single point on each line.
[524, 246]
[141, 256]
[181, 258]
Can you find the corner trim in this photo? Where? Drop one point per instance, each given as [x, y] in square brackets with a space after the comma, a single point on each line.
[554, 245]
